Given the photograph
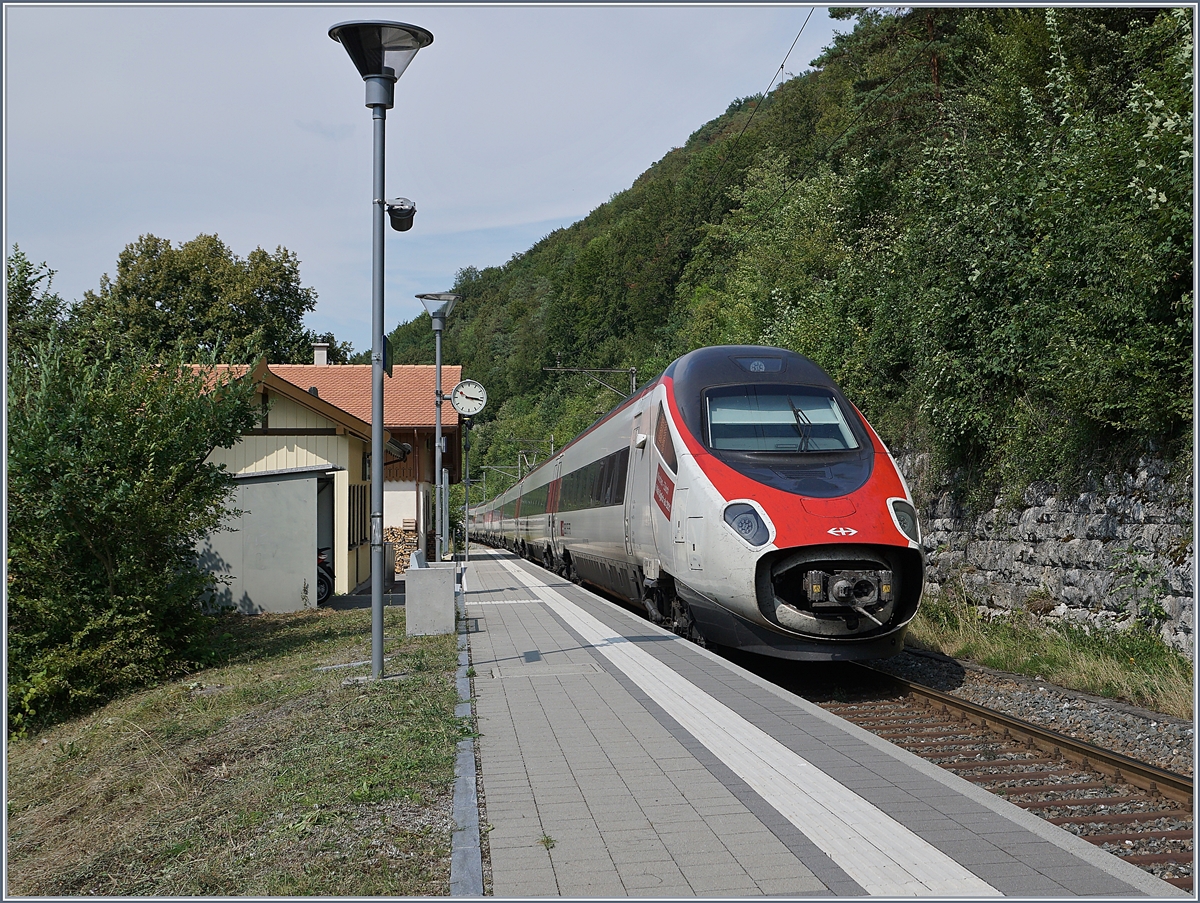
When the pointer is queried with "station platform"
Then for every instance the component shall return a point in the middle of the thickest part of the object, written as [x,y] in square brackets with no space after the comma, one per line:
[619,760]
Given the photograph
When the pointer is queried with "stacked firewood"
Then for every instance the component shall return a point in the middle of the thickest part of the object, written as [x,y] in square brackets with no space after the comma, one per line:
[405,544]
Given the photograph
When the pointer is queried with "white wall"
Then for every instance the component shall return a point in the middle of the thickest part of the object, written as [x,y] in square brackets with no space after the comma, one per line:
[269,557]
[399,502]
[258,453]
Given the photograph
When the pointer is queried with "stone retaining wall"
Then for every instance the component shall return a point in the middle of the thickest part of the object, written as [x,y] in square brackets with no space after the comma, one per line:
[1121,549]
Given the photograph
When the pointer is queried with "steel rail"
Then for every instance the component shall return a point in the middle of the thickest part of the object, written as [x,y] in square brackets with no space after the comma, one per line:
[1120,767]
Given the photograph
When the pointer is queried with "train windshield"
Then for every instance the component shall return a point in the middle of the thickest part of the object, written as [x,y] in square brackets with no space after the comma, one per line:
[778,419]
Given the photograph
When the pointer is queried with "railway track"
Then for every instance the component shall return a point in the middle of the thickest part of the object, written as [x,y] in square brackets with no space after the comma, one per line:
[1134,810]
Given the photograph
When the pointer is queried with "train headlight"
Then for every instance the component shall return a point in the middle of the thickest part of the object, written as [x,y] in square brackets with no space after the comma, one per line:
[746,521]
[906,519]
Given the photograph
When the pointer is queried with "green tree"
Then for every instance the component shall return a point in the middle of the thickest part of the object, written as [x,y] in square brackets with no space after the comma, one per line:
[1050,245]
[412,342]
[202,297]
[1018,301]
[978,220]
[108,494]
[33,309]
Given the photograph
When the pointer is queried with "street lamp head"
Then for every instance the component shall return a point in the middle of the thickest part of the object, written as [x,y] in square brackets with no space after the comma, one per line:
[439,305]
[381,49]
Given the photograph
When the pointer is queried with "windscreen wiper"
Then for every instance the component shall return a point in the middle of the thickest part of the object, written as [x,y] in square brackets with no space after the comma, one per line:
[803,426]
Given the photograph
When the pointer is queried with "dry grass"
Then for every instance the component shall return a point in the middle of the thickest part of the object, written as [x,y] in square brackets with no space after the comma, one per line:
[260,777]
[1133,665]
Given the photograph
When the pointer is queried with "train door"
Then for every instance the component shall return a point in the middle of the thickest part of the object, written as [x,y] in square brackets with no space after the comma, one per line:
[668,501]
[552,507]
[637,490]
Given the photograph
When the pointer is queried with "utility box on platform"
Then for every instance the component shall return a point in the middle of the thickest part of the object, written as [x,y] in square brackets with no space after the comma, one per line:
[429,600]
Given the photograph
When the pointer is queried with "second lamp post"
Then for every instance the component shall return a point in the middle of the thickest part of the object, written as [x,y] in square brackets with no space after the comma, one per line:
[439,305]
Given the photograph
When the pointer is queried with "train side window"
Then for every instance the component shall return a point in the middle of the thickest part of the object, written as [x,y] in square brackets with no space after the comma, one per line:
[583,488]
[600,475]
[606,481]
[662,440]
[566,496]
[595,485]
[620,470]
[570,500]
[575,490]
[535,502]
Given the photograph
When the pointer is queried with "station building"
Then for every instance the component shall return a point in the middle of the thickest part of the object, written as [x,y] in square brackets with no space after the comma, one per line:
[303,479]
[408,416]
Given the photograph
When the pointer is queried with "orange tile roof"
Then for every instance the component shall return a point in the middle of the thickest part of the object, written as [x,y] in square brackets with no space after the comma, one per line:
[407,395]
[213,372]
[264,378]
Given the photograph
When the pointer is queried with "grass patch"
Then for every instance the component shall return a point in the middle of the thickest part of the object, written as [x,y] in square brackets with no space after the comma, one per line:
[261,776]
[1133,664]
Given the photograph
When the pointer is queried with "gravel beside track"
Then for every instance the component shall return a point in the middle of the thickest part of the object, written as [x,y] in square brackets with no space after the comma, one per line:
[1138,733]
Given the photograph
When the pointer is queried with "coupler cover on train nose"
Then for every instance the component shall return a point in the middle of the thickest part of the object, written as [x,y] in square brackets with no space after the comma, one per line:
[850,594]
[840,591]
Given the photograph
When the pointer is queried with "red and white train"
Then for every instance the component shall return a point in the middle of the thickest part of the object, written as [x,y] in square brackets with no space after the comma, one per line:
[740,498]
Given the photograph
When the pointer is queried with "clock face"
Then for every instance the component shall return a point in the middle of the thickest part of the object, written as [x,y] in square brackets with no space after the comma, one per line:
[468,398]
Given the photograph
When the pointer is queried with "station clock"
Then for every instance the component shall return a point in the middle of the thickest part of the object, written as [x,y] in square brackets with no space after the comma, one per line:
[468,397]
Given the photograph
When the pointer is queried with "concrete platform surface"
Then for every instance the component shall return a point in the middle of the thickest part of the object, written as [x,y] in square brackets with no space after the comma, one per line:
[619,760]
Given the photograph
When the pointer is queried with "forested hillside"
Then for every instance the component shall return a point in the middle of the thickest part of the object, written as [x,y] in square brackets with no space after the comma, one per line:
[978,220]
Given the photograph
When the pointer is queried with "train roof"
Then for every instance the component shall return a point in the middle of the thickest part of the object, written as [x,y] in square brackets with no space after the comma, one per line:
[725,364]
[715,365]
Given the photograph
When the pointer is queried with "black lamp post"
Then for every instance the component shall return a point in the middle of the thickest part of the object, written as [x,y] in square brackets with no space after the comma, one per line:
[381,51]
[439,305]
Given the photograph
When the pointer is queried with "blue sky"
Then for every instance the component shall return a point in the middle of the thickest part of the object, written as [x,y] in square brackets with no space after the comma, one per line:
[249,122]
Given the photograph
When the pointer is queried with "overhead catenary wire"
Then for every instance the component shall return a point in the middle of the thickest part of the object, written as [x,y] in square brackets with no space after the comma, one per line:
[800,178]
[778,72]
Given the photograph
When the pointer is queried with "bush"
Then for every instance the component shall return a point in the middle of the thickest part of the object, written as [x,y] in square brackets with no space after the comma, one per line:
[108,494]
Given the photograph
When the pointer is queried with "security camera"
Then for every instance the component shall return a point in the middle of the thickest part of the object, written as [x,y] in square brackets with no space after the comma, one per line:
[401,211]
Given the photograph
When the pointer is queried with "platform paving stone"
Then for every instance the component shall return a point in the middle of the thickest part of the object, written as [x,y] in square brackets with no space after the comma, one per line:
[576,747]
